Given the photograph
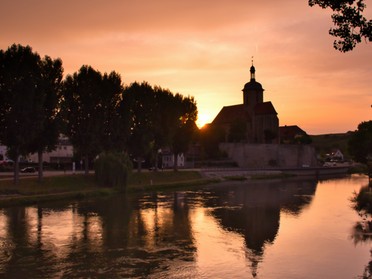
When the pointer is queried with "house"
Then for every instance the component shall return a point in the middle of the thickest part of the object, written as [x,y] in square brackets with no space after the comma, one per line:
[336,156]
[3,153]
[254,121]
[167,159]
[63,152]
[290,134]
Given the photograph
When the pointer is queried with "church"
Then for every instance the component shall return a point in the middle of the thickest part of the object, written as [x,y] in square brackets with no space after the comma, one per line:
[252,137]
[254,121]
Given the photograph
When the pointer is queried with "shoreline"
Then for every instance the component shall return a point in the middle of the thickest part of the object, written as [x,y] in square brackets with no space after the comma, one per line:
[30,191]
[63,186]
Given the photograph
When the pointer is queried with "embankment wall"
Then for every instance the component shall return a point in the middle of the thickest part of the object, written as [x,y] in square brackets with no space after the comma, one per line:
[270,155]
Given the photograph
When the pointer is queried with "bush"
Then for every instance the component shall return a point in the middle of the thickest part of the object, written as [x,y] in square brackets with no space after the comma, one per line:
[112,169]
[362,201]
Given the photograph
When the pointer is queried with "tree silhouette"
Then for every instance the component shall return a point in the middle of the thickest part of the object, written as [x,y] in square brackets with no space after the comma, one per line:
[360,143]
[113,136]
[351,25]
[22,98]
[186,127]
[138,99]
[157,119]
[166,118]
[90,112]
[46,139]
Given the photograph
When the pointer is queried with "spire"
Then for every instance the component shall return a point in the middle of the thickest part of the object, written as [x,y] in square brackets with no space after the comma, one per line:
[253,72]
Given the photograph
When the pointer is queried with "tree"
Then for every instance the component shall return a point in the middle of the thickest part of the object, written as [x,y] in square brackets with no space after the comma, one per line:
[139,103]
[112,170]
[90,111]
[351,25]
[360,143]
[186,127]
[113,136]
[21,100]
[166,119]
[46,139]
[157,119]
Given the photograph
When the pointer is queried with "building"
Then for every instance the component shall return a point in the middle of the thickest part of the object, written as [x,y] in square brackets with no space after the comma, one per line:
[249,133]
[291,134]
[167,159]
[62,154]
[254,121]
[336,156]
[3,152]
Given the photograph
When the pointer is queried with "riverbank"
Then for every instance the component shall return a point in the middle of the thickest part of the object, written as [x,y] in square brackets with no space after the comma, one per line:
[78,186]
[59,185]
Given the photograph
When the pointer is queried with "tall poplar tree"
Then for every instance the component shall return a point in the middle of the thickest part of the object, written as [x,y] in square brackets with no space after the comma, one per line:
[139,103]
[21,100]
[46,139]
[185,129]
[90,108]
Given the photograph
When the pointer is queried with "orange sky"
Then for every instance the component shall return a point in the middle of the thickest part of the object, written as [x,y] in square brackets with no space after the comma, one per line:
[204,49]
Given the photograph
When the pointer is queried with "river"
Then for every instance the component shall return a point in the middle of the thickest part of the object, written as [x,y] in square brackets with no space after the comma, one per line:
[254,229]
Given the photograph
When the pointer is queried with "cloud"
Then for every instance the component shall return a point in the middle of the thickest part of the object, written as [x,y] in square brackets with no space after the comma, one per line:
[204,49]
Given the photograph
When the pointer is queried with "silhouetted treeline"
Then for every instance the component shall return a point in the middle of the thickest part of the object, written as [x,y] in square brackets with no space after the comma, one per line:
[96,111]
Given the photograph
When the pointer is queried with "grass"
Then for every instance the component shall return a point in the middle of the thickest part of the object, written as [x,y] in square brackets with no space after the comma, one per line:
[272,176]
[30,191]
[78,186]
[50,185]
[235,178]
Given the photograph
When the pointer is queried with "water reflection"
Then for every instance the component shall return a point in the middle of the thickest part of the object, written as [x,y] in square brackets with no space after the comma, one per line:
[362,230]
[254,211]
[157,235]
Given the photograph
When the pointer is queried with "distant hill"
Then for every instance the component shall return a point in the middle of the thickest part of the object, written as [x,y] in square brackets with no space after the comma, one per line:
[329,142]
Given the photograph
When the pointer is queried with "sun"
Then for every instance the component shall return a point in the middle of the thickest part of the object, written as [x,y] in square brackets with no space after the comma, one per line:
[202,120]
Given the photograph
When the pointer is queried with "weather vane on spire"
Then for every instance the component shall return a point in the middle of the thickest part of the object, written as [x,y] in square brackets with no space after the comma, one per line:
[252,60]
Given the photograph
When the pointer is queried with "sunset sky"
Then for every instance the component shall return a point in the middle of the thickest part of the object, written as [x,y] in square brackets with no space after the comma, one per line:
[204,49]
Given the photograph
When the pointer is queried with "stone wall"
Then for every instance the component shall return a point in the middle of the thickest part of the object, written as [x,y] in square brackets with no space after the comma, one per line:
[270,155]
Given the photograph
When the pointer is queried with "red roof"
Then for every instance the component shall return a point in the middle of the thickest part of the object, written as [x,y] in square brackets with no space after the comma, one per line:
[231,114]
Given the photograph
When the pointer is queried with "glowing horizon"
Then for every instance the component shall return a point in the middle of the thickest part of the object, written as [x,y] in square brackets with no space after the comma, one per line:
[205,51]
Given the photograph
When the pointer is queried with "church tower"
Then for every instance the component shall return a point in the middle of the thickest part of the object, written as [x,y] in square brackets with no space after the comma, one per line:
[252,91]
[254,121]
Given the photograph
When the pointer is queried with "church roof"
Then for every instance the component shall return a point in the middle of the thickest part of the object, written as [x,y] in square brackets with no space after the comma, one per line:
[252,85]
[265,108]
[230,114]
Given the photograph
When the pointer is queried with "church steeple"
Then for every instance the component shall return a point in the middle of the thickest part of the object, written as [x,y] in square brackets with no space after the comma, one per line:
[253,72]
[252,91]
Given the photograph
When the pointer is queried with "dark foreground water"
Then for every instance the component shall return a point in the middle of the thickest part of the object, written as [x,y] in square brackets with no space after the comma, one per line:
[291,229]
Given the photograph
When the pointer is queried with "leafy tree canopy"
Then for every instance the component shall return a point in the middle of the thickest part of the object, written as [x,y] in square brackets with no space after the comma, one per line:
[360,143]
[157,119]
[91,103]
[139,103]
[351,26]
[27,101]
